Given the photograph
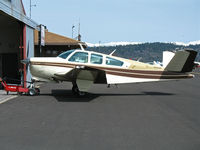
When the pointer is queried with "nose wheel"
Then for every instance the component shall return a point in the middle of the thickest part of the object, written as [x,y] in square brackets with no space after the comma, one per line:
[34,91]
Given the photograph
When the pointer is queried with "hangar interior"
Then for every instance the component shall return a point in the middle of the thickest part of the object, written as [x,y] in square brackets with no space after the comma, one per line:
[11,47]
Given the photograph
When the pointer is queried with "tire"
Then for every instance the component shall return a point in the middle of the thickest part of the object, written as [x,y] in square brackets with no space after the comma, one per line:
[32,92]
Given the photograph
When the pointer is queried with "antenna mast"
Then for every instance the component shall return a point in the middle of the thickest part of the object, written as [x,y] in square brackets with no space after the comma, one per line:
[31,7]
[79,30]
[73,31]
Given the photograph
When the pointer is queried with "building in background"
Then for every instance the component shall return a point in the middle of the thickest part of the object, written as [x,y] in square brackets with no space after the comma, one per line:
[54,44]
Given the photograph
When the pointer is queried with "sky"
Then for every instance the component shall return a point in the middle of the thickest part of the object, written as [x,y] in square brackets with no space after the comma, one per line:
[120,20]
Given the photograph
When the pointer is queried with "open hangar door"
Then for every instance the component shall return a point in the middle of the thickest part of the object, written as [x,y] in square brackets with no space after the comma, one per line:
[11,47]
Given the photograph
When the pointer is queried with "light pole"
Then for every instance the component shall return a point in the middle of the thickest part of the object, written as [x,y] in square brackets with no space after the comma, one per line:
[30,7]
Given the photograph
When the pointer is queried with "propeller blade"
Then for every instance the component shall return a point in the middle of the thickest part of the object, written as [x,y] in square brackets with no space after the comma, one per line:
[26,61]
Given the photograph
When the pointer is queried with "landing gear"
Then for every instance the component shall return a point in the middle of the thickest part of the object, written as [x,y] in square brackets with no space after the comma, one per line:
[32,92]
[75,91]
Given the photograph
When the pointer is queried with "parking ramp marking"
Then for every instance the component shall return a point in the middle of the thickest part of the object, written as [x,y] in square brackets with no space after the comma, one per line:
[7,99]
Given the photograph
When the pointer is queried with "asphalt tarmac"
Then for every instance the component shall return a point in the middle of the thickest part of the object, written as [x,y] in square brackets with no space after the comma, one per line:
[146,116]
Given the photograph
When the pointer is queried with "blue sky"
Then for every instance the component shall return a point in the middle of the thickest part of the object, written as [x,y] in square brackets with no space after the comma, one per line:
[121,20]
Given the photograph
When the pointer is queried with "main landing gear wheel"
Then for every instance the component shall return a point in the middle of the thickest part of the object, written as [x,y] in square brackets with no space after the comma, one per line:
[76,91]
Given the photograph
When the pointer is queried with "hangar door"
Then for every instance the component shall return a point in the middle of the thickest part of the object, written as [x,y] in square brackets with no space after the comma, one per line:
[11,41]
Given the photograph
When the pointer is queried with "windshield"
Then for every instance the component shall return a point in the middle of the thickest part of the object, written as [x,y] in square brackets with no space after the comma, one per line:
[64,55]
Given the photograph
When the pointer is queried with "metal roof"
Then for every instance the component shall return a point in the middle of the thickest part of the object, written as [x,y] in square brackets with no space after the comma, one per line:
[55,39]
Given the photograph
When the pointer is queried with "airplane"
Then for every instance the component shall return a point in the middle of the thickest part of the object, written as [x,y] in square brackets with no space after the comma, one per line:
[84,68]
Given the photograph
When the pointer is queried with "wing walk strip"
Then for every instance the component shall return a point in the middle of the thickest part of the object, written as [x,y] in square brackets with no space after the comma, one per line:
[123,72]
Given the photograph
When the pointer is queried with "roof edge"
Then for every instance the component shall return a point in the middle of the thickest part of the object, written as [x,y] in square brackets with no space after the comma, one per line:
[17,15]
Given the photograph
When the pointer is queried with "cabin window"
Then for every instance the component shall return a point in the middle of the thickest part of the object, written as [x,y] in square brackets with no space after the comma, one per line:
[65,54]
[81,57]
[114,62]
[96,59]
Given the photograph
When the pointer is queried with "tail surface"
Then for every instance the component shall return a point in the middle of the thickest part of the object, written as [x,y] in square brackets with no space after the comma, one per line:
[183,61]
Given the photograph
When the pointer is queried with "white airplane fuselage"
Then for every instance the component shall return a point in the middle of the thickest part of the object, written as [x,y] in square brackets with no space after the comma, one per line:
[129,71]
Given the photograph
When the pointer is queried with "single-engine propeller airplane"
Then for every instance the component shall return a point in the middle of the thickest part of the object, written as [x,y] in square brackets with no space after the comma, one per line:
[84,68]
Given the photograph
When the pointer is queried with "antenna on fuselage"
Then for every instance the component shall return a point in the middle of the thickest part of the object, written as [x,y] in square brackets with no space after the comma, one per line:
[112,52]
[81,46]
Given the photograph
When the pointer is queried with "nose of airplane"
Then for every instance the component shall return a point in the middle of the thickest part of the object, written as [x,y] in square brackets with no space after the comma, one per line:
[26,61]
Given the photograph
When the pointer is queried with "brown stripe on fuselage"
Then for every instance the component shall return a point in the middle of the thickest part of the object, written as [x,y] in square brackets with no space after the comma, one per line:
[123,72]
[52,64]
[149,76]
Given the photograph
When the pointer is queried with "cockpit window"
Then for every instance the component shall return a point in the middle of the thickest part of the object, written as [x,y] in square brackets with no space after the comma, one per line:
[114,62]
[65,54]
[81,57]
[96,59]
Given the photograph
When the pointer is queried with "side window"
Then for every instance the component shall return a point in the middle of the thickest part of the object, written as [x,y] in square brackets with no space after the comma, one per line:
[81,57]
[96,59]
[114,62]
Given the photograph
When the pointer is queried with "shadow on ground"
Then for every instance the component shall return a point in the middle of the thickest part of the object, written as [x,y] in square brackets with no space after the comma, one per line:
[67,96]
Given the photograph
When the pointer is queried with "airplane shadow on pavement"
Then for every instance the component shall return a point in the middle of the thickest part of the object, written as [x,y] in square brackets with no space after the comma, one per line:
[67,96]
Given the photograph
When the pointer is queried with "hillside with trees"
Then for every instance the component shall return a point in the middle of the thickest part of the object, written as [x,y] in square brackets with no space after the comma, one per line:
[147,52]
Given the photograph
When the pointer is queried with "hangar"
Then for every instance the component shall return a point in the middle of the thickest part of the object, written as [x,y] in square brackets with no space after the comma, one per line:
[19,40]
[16,39]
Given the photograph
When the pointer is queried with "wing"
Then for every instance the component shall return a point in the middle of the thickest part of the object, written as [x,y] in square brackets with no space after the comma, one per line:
[83,76]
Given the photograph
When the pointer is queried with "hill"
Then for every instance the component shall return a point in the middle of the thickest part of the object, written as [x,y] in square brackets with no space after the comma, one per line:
[146,51]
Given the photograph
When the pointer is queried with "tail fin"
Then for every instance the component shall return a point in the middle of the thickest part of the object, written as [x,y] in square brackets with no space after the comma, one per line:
[183,61]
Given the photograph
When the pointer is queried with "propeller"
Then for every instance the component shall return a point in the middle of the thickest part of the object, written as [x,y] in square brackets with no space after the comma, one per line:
[26,61]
